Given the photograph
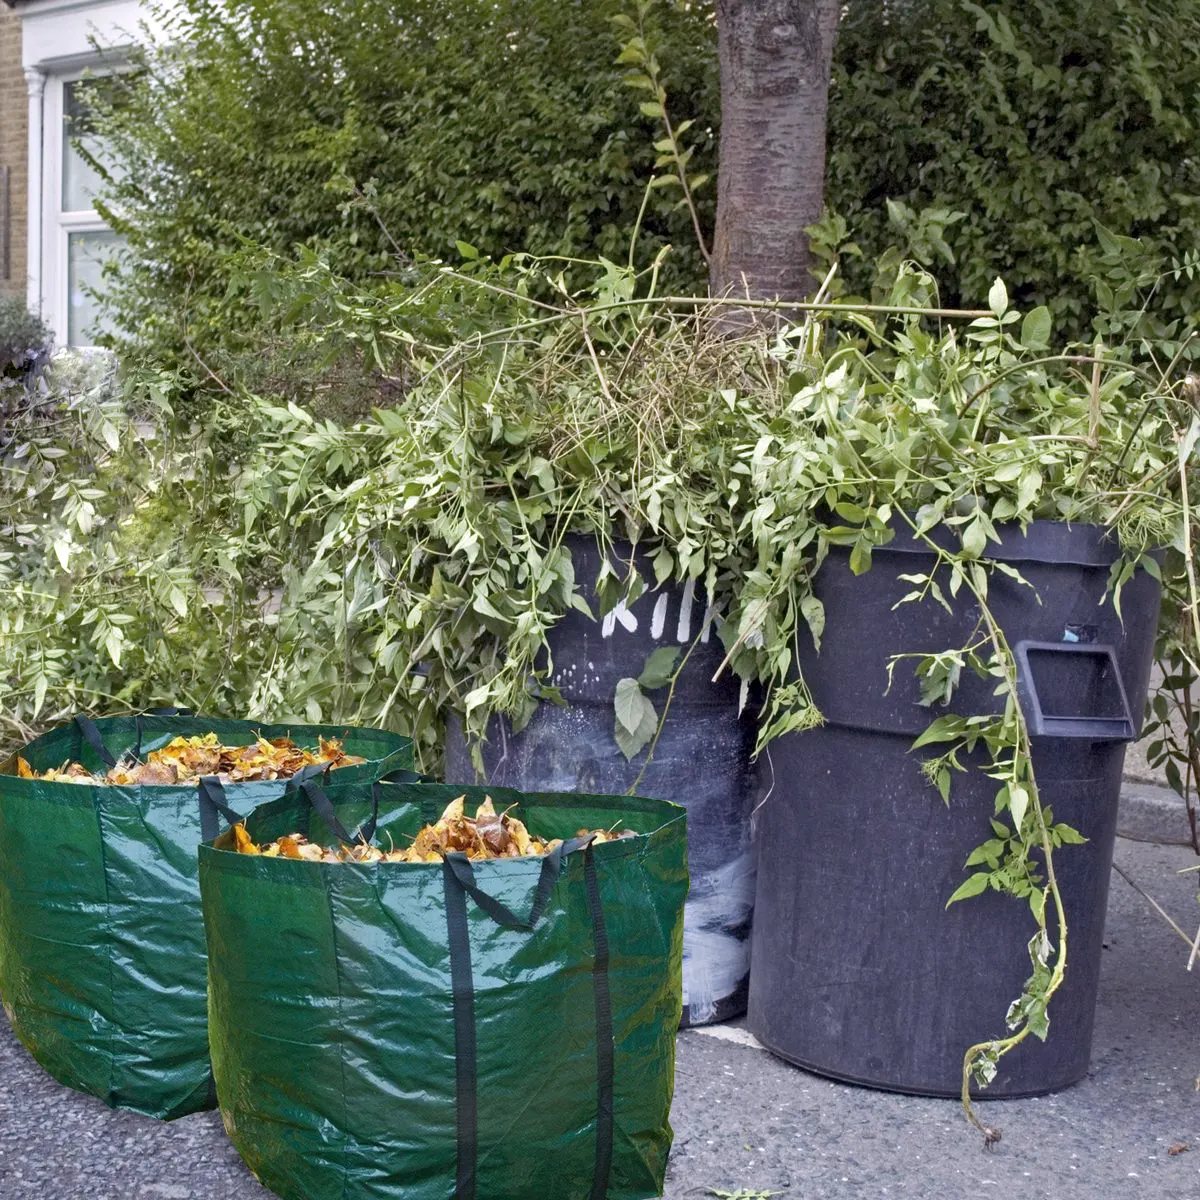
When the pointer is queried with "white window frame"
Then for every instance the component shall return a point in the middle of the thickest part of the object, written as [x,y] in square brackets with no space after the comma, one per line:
[58,224]
[62,40]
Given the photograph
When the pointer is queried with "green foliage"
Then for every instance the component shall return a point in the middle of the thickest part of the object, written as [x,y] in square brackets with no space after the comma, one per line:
[1029,140]
[374,132]
[24,347]
[1011,136]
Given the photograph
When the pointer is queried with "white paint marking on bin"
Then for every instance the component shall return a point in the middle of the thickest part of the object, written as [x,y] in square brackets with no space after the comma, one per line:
[658,622]
[619,613]
[684,630]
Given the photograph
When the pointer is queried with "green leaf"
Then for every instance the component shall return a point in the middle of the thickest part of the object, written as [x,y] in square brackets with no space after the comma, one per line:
[629,703]
[998,297]
[114,641]
[1018,805]
[945,729]
[1069,836]
[942,780]
[974,538]
[482,605]
[650,108]
[971,886]
[636,719]
[659,667]
[813,612]
[1035,329]
[860,557]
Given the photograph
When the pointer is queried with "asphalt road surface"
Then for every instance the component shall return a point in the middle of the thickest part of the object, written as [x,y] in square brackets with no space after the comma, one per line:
[744,1120]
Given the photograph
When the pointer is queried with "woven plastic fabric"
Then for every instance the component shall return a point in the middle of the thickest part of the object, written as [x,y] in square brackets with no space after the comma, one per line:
[102,969]
[484,1030]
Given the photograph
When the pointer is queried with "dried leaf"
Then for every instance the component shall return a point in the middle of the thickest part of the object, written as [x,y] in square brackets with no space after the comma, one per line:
[485,837]
[185,759]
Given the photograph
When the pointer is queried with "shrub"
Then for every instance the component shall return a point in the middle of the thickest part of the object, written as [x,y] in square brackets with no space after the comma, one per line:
[375,131]
[24,344]
[1020,128]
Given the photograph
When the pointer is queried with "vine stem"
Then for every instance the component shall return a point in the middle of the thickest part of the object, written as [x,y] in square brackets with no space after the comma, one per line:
[1024,750]
[633,787]
[650,66]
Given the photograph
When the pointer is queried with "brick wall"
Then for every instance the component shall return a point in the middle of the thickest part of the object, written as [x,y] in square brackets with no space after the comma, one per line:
[13,144]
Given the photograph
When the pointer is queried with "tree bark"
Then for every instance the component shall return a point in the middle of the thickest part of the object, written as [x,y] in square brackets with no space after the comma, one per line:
[775,64]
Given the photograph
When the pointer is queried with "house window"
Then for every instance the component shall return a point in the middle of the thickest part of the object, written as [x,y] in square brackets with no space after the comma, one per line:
[78,242]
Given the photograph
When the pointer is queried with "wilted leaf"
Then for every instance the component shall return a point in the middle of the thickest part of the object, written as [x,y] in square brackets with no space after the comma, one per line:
[486,836]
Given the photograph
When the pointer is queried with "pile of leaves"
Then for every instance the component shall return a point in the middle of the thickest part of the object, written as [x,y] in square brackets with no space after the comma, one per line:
[186,759]
[487,835]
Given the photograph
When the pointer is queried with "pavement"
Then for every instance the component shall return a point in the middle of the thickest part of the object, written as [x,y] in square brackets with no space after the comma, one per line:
[746,1121]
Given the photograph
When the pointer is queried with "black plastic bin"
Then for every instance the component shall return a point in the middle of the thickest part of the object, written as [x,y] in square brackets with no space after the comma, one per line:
[702,761]
[860,972]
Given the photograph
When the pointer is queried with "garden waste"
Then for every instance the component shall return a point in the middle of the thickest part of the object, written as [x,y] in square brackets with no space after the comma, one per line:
[482,1026]
[102,960]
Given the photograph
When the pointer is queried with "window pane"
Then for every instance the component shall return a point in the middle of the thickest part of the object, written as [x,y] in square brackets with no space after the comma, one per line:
[80,181]
[86,255]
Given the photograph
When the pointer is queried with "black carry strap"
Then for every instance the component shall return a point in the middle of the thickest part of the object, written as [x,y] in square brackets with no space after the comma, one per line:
[168,711]
[324,809]
[211,795]
[463,873]
[91,735]
[459,882]
[605,1050]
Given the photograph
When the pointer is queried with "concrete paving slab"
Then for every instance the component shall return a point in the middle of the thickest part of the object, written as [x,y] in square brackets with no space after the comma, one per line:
[744,1120]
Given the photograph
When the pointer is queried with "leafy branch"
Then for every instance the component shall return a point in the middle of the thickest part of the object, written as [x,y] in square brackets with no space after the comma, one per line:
[640,54]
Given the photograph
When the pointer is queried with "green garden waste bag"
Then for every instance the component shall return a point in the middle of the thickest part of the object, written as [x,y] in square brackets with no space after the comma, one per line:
[102,970]
[489,1030]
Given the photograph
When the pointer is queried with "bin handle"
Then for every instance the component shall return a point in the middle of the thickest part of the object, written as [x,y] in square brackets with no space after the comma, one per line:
[91,733]
[324,809]
[1045,724]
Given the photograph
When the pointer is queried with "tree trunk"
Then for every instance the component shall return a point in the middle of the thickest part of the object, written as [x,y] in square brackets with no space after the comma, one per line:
[775,63]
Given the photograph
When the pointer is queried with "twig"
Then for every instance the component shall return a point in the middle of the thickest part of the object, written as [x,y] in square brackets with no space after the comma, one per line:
[1094,401]
[1162,912]
[208,370]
